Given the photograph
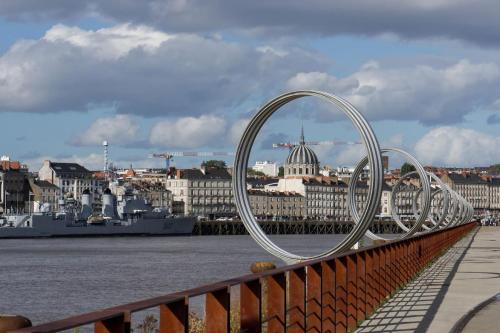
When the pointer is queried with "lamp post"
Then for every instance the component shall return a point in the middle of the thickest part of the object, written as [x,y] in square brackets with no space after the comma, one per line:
[5,193]
[29,202]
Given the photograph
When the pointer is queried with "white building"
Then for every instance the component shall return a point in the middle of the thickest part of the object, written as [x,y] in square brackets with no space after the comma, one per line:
[203,192]
[268,168]
[69,178]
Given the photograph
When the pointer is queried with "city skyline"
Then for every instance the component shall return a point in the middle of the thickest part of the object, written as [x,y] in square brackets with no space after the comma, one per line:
[166,78]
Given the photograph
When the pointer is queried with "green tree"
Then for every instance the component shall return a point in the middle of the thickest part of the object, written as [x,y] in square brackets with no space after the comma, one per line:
[495,168]
[252,172]
[407,167]
[281,171]
[216,164]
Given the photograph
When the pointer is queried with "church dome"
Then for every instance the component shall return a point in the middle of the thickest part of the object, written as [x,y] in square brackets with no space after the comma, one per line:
[302,160]
[302,154]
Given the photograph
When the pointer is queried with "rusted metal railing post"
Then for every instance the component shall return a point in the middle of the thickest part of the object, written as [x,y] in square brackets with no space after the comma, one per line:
[217,311]
[251,306]
[341,294]
[297,301]
[117,324]
[174,317]
[276,303]
[328,287]
[361,286]
[371,289]
[313,300]
[352,280]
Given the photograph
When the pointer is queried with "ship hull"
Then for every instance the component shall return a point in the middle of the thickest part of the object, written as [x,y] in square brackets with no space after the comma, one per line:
[46,226]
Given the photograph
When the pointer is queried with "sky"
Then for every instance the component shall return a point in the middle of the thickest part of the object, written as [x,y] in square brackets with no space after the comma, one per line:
[187,75]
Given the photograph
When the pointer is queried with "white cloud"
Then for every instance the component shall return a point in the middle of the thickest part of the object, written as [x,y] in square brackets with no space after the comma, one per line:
[236,131]
[456,146]
[428,94]
[109,43]
[189,132]
[95,161]
[143,71]
[119,130]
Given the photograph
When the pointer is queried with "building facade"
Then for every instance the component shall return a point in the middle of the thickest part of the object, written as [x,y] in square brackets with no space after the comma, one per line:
[268,168]
[203,192]
[471,187]
[44,196]
[14,188]
[70,178]
[277,205]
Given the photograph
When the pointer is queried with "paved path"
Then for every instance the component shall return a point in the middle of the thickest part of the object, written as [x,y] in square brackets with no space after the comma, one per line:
[468,274]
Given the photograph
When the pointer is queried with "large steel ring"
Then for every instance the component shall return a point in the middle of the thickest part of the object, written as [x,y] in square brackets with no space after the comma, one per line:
[240,170]
[351,195]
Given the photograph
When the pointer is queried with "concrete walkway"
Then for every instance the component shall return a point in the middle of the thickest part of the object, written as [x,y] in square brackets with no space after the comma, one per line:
[465,276]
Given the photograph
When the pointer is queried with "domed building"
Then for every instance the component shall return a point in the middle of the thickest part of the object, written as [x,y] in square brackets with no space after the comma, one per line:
[302,161]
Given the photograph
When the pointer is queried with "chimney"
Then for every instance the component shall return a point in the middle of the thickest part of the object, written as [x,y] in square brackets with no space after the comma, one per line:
[178,174]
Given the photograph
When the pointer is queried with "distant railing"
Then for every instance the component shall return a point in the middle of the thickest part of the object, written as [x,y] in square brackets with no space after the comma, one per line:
[325,295]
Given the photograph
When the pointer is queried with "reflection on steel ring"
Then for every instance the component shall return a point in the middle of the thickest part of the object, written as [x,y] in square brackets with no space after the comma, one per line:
[426,186]
[441,189]
[448,221]
[240,169]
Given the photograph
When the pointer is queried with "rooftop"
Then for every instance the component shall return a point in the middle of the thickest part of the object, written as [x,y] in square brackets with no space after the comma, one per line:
[210,173]
[466,178]
[68,167]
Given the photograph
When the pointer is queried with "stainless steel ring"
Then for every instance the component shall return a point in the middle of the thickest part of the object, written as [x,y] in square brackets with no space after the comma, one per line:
[240,168]
[351,196]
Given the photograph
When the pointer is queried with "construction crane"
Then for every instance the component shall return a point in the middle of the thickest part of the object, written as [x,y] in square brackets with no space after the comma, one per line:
[290,145]
[169,156]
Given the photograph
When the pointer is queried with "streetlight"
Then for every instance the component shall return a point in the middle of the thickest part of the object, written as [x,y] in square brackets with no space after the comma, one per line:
[5,194]
[29,202]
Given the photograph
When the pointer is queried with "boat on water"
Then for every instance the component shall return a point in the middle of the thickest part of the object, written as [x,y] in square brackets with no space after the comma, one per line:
[130,216]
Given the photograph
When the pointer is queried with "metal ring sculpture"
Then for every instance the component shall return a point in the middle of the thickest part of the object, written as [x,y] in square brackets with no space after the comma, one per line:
[351,196]
[440,189]
[462,211]
[240,170]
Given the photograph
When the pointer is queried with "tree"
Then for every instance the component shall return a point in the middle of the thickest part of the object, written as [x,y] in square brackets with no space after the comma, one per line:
[216,164]
[495,168]
[255,173]
[406,168]
[281,171]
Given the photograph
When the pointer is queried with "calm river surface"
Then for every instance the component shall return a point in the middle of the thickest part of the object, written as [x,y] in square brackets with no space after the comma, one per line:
[48,279]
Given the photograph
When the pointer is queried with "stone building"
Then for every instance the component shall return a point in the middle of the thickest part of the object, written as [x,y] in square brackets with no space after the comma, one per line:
[276,205]
[385,202]
[71,178]
[203,192]
[494,194]
[473,188]
[45,196]
[14,189]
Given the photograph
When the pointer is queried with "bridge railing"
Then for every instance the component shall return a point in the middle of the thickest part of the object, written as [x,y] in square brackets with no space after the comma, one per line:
[331,294]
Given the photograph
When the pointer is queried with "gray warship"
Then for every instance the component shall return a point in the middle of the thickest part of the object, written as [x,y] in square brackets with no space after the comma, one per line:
[130,216]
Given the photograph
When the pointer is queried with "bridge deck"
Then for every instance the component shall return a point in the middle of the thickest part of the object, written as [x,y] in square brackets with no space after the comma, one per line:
[464,277]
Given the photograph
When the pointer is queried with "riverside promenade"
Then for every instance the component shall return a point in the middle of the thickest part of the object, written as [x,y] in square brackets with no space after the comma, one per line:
[444,297]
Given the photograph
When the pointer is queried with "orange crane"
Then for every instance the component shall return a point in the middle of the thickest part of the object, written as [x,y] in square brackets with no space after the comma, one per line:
[169,156]
[290,145]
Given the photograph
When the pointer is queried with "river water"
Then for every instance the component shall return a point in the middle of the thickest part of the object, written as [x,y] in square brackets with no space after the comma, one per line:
[49,279]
